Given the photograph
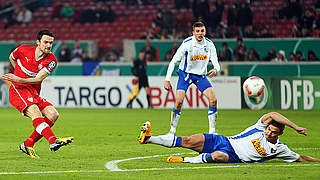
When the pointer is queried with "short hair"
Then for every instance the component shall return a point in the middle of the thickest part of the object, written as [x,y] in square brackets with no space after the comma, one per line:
[278,125]
[197,24]
[44,32]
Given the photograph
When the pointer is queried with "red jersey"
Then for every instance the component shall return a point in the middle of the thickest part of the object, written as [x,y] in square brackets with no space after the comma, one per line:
[28,67]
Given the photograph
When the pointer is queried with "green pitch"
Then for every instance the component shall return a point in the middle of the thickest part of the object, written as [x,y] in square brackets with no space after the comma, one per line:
[104,135]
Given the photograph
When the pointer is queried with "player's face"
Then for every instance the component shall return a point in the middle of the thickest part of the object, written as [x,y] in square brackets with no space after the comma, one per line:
[199,33]
[45,44]
[141,56]
[272,133]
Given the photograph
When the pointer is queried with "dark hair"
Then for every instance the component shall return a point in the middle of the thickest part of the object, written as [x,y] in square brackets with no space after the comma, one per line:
[44,32]
[278,125]
[197,24]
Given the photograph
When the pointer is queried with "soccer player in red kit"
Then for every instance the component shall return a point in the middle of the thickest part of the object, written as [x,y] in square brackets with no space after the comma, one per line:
[32,64]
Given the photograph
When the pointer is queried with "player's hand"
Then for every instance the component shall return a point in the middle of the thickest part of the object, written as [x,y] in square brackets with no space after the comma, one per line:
[212,72]
[167,85]
[10,77]
[301,130]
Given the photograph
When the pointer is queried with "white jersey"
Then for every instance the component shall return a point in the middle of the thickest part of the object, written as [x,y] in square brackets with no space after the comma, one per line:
[194,57]
[251,145]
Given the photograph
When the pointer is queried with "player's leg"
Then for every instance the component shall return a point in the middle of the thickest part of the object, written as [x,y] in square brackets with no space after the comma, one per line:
[214,149]
[206,88]
[176,111]
[194,142]
[39,123]
[42,127]
[148,96]
[145,83]
[215,157]
[183,84]
[50,116]
[212,111]
[133,95]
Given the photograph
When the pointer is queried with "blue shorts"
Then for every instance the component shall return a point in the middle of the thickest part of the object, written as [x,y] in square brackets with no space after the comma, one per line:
[186,79]
[214,143]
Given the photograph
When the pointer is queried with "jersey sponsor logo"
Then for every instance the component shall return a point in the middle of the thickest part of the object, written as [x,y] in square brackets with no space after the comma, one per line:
[30,99]
[259,149]
[26,59]
[52,65]
[198,57]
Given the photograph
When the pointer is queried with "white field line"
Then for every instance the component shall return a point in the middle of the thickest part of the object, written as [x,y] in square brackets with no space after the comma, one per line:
[302,149]
[112,166]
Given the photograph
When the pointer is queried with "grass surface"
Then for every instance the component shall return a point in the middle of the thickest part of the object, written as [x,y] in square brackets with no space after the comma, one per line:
[103,135]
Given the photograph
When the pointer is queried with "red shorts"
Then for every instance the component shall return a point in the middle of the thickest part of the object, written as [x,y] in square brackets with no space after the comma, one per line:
[23,97]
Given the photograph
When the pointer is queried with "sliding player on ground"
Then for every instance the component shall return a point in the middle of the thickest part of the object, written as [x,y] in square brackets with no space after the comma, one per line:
[257,143]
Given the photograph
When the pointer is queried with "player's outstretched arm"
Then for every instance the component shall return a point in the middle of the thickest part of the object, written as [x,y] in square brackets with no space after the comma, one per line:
[38,79]
[268,118]
[305,158]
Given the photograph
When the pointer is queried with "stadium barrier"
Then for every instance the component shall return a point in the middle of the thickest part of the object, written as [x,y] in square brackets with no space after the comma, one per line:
[287,93]
[106,92]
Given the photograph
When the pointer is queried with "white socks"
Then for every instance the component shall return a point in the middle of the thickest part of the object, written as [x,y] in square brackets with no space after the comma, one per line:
[196,159]
[175,116]
[164,140]
[212,123]
[212,116]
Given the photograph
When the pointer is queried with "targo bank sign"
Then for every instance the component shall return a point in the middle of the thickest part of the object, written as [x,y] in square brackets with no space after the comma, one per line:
[113,92]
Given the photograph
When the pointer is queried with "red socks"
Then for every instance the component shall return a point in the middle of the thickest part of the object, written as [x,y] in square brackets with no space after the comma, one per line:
[41,125]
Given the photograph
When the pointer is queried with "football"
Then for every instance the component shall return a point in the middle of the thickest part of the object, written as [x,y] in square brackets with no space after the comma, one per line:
[253,86]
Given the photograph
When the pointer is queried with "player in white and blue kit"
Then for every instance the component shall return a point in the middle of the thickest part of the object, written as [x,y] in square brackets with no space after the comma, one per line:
[257,143]
[194,55]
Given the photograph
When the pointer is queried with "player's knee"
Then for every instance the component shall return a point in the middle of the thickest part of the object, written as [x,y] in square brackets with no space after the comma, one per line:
[179,104]
[213,101]
[53,116]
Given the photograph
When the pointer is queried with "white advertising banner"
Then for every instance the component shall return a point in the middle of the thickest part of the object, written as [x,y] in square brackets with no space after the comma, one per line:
[4,94]
[113,92]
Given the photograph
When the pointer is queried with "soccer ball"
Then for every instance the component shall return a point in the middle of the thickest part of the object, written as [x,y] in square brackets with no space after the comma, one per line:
[253,86]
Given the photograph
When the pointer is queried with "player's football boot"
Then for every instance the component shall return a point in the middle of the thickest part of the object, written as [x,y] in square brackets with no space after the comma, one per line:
[59,142]
[29,151]
[145,133]
[174,159]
